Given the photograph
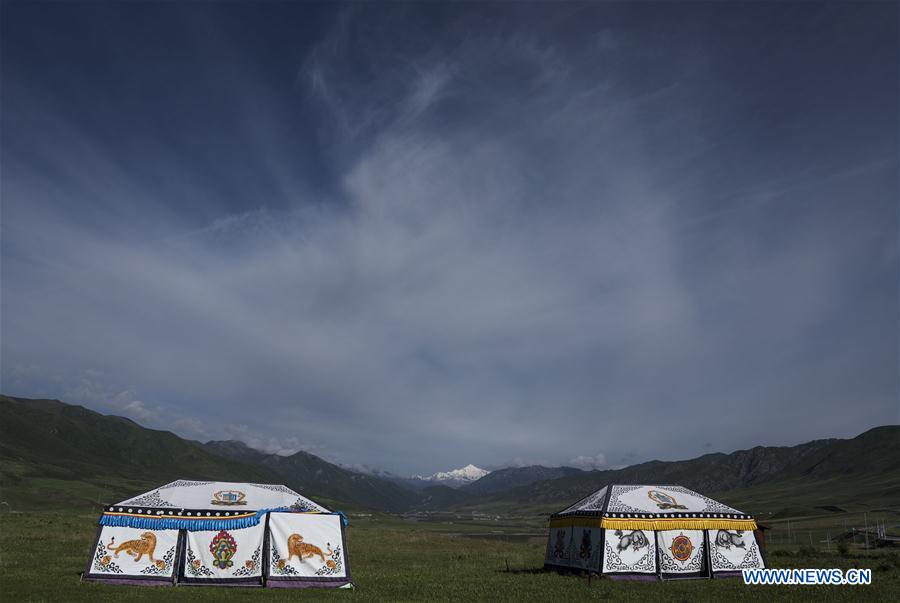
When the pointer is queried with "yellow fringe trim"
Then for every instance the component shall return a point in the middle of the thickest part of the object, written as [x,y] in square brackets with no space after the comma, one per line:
[661,523]
[678,523]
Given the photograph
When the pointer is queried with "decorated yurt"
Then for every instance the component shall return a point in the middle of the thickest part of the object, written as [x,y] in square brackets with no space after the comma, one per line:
[222,533]
[665,532]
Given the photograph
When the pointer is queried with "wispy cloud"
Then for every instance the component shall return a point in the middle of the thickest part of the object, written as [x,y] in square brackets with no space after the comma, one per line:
[507,237]
[597,461]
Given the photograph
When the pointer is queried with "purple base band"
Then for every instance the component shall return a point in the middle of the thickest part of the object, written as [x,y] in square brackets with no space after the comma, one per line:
[727,574]
[304,584]
[225,583]
[130,582]
[271,584]
[636,577]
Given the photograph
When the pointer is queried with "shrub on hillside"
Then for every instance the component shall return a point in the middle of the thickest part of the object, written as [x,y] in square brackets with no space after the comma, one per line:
[808,551]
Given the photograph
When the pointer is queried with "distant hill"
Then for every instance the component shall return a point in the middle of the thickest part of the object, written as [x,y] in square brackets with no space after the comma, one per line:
[436,498]
[870,461]
[56,454]
[514,477]
[44,444]
[306,472]
[876,451]
[412,483]
[235,450]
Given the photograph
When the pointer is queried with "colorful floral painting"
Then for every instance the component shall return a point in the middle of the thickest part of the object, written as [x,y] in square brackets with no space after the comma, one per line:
[223,547]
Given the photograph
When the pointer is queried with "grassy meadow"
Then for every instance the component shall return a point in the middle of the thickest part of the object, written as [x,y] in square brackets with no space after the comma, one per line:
[51,488]
[42,553]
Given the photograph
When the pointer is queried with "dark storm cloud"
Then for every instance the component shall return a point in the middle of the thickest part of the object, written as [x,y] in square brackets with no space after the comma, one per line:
[420,236]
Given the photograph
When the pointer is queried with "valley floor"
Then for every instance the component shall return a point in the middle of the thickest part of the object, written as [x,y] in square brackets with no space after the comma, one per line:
[42,553]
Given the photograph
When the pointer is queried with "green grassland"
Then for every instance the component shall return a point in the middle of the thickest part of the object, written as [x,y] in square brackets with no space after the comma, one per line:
[42,553]
[54,476]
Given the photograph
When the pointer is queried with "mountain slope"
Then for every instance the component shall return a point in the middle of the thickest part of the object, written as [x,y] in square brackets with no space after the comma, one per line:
[306,472]
[708,473]
[236,451]
[50,440]
[384,493]
[54,454]
[873,455]
[514,477]
[72,441]
[876,451]
[47,446]
[435,498]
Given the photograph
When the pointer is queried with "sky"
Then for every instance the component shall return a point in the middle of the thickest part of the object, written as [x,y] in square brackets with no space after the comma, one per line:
[417,236]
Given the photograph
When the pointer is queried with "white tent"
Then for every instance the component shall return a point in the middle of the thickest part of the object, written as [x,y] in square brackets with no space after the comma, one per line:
[224,533]
[652,532]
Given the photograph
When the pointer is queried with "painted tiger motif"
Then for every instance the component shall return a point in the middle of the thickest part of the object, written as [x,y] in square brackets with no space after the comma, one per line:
[145,545]
[304,550]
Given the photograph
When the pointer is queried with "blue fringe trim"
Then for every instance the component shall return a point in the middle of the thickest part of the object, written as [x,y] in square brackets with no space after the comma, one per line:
[192,525]
[197,525]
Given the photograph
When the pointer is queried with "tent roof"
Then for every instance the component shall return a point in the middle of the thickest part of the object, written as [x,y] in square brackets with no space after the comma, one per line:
[195,506]
[221,496]
[651,507]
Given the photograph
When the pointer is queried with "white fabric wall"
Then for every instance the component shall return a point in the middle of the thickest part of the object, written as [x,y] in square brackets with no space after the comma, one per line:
[629,551]
[686,556]
[320,531]
[246,562]
[734,550]
[111,561]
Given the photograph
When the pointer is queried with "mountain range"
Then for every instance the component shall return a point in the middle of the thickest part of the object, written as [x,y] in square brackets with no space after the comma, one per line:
[52,454]
[456,477]
[502,480]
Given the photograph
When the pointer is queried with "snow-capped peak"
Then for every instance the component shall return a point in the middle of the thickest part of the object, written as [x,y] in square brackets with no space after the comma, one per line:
[466,474]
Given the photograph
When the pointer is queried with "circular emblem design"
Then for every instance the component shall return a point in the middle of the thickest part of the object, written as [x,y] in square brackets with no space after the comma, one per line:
[682,548]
